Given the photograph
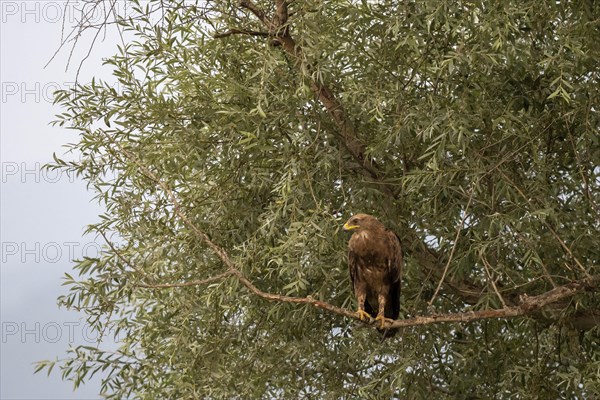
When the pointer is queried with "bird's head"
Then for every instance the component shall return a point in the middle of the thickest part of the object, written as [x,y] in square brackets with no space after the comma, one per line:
[361,222]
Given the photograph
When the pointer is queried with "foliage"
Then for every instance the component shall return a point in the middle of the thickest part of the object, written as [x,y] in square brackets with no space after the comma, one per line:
[470,128]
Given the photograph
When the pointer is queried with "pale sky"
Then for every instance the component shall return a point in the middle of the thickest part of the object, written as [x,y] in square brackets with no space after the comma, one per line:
[42,214]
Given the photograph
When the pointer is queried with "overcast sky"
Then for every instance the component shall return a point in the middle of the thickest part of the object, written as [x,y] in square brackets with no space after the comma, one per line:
[43,214]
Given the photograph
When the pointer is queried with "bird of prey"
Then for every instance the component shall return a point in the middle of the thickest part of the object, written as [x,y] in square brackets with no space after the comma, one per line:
[375,263]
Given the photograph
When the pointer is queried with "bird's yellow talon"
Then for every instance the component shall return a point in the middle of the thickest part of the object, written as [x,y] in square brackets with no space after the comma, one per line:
[363,315]
[382,321]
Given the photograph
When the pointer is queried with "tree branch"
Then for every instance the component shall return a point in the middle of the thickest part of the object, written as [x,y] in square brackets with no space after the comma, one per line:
[240,32]
[281,12]
[253,8]
[278,30]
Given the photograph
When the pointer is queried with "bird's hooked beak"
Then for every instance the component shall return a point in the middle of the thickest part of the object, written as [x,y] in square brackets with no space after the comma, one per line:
[348,227]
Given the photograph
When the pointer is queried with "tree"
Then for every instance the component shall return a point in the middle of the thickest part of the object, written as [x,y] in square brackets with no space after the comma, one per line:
[245,132]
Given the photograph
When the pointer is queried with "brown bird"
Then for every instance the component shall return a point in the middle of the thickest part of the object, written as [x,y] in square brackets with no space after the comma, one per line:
[375,263]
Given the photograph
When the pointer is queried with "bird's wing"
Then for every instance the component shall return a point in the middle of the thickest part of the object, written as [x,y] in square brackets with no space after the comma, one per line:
[395,262]
[352,265]
[394,257]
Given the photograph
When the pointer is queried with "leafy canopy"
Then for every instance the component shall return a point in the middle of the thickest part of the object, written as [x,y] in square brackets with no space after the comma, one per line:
[248,131]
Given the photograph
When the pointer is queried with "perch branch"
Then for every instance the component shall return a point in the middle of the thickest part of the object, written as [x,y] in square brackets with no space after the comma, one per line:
[528,304]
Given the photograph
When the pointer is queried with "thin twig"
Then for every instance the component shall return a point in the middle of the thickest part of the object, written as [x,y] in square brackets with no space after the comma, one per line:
[458,230]
[567,249]
[491,278]
[586,184]
[186,284]
[554,234]
[141,272]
